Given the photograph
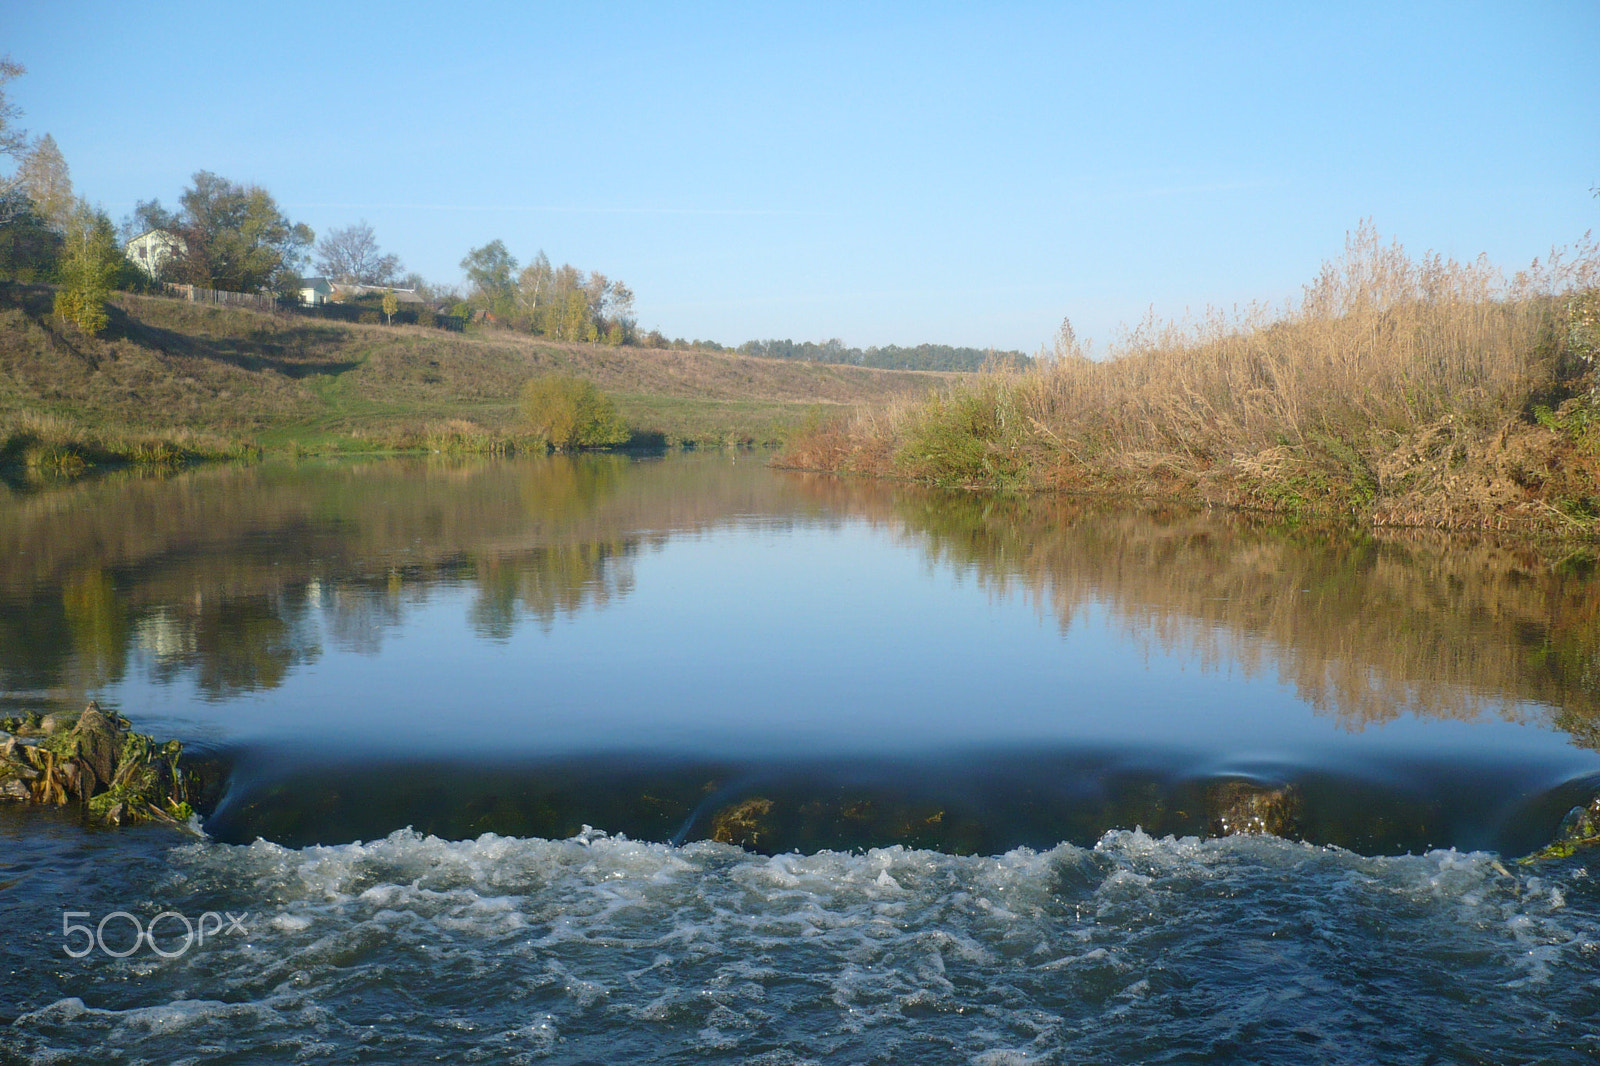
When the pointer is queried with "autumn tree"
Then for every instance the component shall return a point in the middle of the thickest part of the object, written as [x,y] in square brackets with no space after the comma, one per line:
[90,261]
[569,412]
[535,284]
[391,304]
[352,255]
[234,236]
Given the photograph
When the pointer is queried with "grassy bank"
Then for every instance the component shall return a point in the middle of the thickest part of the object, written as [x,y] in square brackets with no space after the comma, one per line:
[1396,391]
[170,378]
[47,445]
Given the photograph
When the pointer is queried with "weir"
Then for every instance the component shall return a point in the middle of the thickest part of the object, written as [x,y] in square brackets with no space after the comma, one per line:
[965,804]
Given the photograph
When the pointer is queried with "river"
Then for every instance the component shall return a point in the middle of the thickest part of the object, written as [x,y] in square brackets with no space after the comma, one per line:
[686,759]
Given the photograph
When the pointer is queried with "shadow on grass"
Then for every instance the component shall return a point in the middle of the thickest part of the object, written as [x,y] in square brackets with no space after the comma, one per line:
[646,442]
[289,352]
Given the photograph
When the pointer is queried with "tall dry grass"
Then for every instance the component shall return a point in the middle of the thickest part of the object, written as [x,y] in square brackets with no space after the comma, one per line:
[1300,399]
[1379,342]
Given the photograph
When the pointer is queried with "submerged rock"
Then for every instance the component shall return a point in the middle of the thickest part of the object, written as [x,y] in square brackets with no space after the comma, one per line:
[1240,807]
[96,760]
[742,823]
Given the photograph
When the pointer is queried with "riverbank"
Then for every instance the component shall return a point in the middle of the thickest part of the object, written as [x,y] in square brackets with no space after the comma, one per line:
[171,382]
[1395,393]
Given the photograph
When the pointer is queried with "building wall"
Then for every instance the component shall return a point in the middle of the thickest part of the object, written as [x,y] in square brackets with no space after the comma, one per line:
[151,251]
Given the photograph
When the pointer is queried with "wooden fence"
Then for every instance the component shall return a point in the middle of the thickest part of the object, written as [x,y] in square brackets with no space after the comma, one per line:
[260,301]
[347,312]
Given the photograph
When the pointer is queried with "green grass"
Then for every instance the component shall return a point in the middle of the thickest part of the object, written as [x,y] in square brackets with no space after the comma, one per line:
[297,385]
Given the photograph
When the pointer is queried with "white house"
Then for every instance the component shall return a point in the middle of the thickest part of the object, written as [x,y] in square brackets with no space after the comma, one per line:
[151,250]
[315,291]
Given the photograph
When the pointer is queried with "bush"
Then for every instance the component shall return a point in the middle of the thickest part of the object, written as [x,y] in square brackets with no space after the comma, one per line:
[368,318]
[969,437]
[570,412]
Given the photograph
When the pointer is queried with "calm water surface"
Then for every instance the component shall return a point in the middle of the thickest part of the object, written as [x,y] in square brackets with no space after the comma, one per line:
[488,726]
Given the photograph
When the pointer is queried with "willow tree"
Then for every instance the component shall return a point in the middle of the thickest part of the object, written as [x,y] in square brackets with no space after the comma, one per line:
[569,412]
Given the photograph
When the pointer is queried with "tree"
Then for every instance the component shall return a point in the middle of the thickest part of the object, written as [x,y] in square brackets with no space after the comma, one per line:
[30,236]
[12,139]
[352,255]
[569,412]
[622,313]
[234,236]
[44,179]
[13,142]
[90,262]
[29,246]
[535,285]
[490,270]
[391,304]
[147,215]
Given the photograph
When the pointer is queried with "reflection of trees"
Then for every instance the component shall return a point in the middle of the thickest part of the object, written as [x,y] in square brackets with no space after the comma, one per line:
[235,575]
[357,614]
[99,622]
[1365,627]
[36,641]
[548,582]
[242,643]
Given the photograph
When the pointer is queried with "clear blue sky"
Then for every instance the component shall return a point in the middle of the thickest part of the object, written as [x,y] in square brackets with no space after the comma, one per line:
[883,173]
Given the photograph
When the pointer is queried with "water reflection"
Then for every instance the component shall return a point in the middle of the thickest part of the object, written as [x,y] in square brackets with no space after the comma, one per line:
[1367,627]
[237,577]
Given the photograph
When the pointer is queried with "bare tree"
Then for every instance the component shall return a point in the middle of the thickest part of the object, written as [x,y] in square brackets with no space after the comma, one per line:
[352,255]
[45,179]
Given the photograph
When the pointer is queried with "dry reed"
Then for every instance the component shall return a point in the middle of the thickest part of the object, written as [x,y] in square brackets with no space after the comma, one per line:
[1287,407]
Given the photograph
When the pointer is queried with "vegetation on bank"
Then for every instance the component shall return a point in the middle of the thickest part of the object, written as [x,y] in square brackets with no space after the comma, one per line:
[44,445]
[568,412]
[891,356]
[1396,391]
[94,760]
[171,381]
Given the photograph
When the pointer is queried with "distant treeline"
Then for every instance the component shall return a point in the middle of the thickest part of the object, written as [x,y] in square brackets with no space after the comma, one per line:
[889,357]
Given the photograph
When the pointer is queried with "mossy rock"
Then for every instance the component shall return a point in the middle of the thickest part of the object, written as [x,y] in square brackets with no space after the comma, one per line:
[1579,830]
[95,759]
[743,823]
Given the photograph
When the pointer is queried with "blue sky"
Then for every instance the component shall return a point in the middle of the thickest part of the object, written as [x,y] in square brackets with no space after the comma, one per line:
[883,173]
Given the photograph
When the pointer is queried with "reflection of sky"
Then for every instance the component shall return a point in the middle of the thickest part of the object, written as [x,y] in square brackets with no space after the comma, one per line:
[835,640]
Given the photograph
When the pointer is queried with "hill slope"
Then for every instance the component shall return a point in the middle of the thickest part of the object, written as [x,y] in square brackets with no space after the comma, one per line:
[291,380]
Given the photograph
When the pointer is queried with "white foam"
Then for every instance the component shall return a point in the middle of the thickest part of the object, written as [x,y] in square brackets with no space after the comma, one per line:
[558,938]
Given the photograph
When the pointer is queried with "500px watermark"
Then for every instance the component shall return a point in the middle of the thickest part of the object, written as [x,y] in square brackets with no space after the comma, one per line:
[179,935]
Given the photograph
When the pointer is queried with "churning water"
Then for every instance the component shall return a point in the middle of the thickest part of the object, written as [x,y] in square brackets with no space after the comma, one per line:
[599,949]
[981,755]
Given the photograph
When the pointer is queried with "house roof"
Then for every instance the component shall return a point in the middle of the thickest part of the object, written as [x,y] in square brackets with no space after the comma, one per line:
[406,296]
[168,234]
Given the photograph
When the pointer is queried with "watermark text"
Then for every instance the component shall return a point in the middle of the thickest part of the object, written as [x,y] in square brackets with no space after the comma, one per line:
[120,934]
